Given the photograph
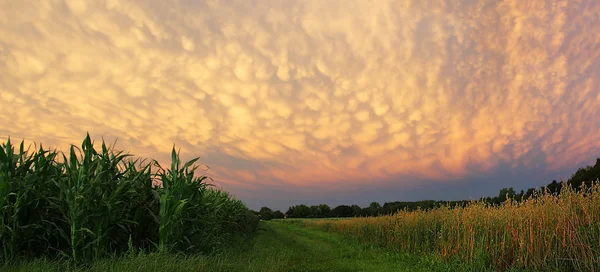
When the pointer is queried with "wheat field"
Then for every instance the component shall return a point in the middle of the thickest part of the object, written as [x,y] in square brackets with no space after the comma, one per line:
[546,232]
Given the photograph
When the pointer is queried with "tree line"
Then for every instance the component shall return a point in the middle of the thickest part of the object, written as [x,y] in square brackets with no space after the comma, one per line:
[583,177]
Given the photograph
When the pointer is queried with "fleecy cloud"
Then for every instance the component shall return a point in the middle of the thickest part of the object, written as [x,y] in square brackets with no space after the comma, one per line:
[315,91]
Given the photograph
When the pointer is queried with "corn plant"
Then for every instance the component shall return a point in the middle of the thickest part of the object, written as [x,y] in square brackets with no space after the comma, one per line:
[222,216]
[94,190]
[21,207]
[179,203]
[86,204]
[9,176]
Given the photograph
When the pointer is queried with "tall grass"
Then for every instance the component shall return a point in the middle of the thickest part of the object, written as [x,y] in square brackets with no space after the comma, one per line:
[547,232]
[88,203]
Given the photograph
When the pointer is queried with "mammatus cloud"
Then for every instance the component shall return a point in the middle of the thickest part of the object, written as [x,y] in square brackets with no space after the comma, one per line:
[310,92]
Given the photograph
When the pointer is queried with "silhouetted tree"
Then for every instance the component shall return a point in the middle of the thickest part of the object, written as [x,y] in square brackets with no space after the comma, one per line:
[299,211]
[586,175]
[356,211]
[342,211]
[374,209]
[266,213]
[278,214]
[519,196]
[554,187]
[505,194]
[530,192]
[324,211]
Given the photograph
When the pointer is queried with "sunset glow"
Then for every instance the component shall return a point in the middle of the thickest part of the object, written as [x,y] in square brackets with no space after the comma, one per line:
[287,100]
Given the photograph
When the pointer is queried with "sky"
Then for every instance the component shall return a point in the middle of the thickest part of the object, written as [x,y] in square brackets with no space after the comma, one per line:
[312,101]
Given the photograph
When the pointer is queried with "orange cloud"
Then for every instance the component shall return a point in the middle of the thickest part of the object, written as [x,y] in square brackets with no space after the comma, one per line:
[312,91]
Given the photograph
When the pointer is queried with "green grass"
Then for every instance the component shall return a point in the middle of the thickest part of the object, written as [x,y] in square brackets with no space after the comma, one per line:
[277,246]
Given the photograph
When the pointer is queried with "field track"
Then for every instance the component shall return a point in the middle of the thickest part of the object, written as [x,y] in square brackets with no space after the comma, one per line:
[277,247]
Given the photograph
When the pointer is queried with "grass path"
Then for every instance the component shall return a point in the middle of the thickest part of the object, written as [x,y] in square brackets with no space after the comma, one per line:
[277,247]
[288,247]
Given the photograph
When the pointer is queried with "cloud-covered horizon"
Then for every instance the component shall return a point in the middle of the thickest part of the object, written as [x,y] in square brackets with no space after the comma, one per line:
[311,96]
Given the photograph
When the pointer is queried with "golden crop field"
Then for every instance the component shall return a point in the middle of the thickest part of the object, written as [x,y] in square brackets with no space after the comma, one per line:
[546,232]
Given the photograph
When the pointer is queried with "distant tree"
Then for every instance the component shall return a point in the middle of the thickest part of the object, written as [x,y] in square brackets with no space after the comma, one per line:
[365,211]
[266,213]
[554,187]
[342,211]
[314,212]
[299,211]
[530,193]
[586,175]
[374,209]
[505,194]
[356,211]
[427,204]
[519,196]
[278,214]
[320,211]
[303,211]
[324,211]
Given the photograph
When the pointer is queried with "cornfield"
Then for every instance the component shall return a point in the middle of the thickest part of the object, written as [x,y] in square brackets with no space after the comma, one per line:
[546,232]
[90,203]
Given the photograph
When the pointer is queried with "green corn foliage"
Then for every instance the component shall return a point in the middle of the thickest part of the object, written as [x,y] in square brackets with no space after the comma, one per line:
[88,203]
[24,200]
[180,197]
[28,202]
